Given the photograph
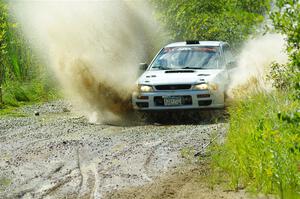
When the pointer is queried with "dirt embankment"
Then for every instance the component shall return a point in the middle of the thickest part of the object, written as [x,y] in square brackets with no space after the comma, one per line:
[188,182]
[59,154]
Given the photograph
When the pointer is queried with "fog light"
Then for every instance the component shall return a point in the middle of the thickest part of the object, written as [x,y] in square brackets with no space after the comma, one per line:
[204,102]
[142,97]
[142,104]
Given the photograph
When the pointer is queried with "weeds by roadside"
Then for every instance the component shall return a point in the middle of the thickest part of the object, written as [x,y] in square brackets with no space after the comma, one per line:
[23,76]
[9,111]
[262,150]
[17,94]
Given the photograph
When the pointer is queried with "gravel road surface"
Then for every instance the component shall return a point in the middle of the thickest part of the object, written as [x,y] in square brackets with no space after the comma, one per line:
[52,152]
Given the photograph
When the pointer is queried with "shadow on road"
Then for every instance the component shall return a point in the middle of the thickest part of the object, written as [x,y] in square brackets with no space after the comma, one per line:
[193,117]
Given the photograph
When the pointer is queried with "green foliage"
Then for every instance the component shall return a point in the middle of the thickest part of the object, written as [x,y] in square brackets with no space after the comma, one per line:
[262,150]
[279,76]
[286,19]
[3,28]
[229,20]
[20,70]
[16,93]
[3,43]
[9,111]
[18,60]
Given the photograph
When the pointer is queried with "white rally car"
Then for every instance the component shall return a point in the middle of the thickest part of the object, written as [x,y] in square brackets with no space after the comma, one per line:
[185,75]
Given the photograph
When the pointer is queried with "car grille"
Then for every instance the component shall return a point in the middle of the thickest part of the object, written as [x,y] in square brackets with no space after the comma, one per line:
[185,100]
[173,87]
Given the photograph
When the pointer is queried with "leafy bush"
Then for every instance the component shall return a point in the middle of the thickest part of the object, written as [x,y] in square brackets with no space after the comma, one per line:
[262,150]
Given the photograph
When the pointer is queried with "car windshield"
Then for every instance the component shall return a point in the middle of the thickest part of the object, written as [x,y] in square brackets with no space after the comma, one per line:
[198,57]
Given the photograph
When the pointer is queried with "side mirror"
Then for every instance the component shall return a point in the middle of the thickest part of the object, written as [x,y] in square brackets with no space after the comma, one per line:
[143,66]
[231,65]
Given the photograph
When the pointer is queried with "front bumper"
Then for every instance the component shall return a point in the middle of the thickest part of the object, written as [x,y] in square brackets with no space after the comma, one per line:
[191,99]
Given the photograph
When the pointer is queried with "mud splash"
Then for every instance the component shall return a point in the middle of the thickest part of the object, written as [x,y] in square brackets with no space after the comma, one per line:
[100,94]
[93,47]
[254,63]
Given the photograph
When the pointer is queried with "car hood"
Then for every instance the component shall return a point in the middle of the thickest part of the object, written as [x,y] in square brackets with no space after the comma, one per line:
[163,77]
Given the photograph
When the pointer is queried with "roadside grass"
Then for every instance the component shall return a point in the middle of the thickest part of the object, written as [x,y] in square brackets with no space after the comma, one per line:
[17,94]
[262,149]
[8,111]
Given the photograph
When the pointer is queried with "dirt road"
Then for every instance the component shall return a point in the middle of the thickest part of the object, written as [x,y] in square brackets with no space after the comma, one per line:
[59,154]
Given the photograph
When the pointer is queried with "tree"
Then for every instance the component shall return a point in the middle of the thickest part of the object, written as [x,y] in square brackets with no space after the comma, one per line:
[229,20]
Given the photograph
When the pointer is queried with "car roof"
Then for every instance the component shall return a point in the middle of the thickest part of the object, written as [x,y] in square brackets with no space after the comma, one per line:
[201,43]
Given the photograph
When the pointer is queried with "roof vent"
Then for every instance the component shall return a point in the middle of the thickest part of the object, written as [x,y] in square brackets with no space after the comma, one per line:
[192,42]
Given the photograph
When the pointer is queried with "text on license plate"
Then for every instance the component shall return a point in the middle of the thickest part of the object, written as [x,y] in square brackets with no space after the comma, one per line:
[172,101]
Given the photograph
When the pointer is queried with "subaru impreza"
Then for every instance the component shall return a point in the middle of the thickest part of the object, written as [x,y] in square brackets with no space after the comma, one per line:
[185,75]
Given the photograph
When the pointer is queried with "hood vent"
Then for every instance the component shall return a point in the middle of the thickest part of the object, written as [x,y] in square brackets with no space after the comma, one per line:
[180,71]
[204,75]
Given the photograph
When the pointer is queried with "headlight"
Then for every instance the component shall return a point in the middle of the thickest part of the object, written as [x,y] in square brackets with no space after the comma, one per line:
[200,87]
[145,88]
[204,86]
[213,86]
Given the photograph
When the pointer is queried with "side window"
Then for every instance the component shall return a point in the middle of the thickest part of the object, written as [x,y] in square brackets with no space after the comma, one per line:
[228,54]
